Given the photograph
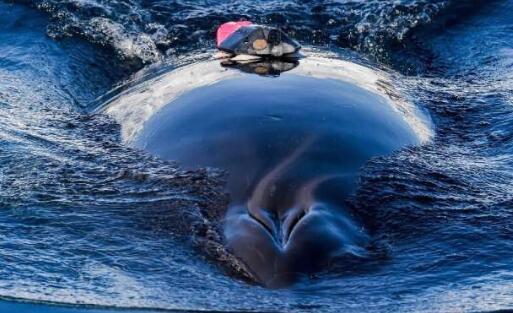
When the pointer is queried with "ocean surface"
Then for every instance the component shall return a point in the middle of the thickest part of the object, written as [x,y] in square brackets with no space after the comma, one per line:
[88,224]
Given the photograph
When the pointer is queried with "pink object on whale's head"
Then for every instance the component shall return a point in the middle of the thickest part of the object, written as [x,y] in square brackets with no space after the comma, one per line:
[224,31]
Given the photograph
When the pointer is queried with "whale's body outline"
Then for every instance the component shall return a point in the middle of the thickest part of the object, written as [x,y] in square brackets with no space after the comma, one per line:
[270,241]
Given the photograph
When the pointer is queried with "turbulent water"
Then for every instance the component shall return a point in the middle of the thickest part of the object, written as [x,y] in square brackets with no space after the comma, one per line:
[85,220]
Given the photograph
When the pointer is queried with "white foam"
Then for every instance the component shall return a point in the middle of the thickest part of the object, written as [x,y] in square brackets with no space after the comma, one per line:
[135,106]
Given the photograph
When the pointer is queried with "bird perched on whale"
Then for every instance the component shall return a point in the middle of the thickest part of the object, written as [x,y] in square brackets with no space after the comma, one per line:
[248,39]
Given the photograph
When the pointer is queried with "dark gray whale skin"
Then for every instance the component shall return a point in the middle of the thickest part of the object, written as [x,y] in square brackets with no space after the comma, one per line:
[293,146]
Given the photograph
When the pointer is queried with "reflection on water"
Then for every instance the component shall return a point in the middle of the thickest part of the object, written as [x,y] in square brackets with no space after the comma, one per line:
[263,67]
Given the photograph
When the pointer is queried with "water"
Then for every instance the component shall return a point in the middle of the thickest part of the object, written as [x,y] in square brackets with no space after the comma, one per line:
[89,222]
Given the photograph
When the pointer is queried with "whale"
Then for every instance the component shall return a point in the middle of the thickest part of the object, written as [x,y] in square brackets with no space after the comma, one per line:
[292,146]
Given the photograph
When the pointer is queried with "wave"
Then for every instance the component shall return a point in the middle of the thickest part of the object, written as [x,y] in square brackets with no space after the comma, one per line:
[147,31]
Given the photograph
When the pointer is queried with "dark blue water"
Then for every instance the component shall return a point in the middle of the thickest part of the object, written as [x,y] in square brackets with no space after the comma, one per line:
[86,221]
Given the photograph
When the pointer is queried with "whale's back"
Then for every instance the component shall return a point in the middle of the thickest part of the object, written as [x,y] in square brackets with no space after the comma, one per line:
[250,125]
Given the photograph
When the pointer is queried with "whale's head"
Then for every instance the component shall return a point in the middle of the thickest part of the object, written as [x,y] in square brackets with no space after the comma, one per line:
[292,146]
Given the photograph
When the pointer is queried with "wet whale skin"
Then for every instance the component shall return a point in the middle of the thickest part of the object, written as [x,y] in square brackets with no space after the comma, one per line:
[293,147]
